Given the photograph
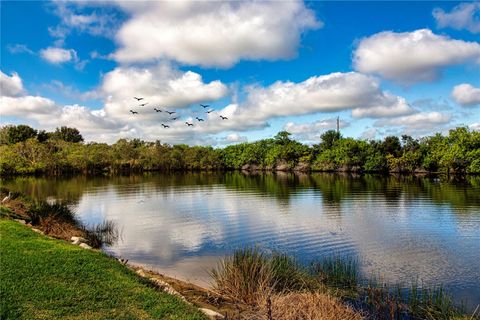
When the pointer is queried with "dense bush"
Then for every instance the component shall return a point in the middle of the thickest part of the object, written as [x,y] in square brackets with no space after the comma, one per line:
[24,151]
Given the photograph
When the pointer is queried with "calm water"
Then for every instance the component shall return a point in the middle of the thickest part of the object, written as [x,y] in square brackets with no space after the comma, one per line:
[182,224]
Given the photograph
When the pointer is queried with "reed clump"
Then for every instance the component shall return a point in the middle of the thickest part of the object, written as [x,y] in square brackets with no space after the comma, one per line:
[416,302]
[247,276]
[276,286]
[338,272]
[303,306]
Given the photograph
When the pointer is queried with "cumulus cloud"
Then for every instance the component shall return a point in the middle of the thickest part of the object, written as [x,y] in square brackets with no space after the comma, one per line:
[212,33]
[233,138]
[466,94]
[27,106]
[162,86]
[83,18]
[412,56]
[16,102]
[369,134]
[10,85]
[69,91]
[311,131]
[464,16]
[326,93]
[418,122]
[168,88]
[475,126]
[58,55]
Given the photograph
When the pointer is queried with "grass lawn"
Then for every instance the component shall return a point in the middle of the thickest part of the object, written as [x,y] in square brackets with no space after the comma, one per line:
[42,278]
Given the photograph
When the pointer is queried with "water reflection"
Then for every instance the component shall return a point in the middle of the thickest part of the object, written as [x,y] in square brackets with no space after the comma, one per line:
[180,224]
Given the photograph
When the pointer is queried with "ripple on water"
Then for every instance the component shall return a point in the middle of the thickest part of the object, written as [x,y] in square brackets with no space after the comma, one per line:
[400,228]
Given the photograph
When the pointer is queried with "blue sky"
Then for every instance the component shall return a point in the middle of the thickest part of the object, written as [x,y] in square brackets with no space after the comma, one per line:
[382,67]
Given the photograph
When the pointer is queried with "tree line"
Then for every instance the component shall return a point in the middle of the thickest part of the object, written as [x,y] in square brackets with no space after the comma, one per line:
[24,150]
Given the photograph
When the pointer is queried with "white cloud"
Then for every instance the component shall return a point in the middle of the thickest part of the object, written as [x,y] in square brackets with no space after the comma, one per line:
[311,131]
[475,126]
[58,55]
[326,93]
[464,16]
[212,33]
[369,134]
[389,106]
[81,17]
[466,94]
[316,126]
[412,56]
[27,106]
[167,88]
[19,48]
[47,114]
[10,85]
[235,138]
[161,86]
[423,121]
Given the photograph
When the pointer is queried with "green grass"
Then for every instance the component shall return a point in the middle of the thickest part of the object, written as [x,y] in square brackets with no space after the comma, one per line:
[42,278]
[338,272]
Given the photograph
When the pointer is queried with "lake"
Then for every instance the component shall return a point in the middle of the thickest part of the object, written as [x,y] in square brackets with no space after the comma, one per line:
[400,228]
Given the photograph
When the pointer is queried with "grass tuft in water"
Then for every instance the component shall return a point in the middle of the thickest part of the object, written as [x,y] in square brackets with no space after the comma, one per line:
[392,302]
[336,271]
[105,233]
[250,275]
[288,273]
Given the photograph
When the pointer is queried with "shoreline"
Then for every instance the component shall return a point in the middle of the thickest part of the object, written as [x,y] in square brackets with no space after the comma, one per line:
[197,295]
[210,303]
[247,171]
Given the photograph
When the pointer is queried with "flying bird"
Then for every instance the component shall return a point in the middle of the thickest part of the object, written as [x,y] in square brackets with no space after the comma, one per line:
[189,124]
[205,106]
[170,112]
[133,112]
[138,99]
[223,118]
[199,119]
[175,118]
[165,126]
[209,111]
[157,110]
[143,104]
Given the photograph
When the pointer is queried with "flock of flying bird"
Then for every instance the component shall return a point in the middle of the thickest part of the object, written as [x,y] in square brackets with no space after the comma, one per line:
[204,106]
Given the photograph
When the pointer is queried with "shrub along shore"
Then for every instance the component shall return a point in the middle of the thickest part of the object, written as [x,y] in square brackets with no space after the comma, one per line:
[44,278]
[25,150]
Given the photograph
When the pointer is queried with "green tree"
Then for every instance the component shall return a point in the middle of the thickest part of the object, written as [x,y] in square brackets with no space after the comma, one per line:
[67,134]
[328,138]
[283,137]
[391,145]
[43,136]
[14,134]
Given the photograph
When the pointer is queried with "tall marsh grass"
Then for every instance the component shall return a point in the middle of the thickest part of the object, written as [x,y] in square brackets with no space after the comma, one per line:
[416,302]
[338,272]
[258,279]
[246,276]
